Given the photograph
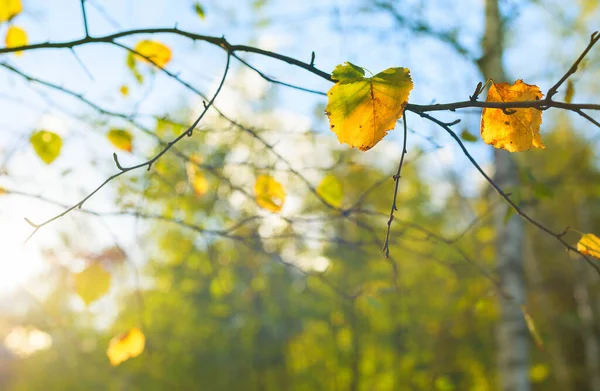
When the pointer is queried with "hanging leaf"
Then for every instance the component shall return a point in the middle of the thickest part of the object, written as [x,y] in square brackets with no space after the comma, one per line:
[124,90]
[269,193]
[132,65]
[589,244]
[9,9]
[47,145]
[468,136]
[121,139]
[514,132]
[570,91]
[330,189]
[3,191]
[155,51]
[196,178]
[125,346]
[92,283]
[362,110]
[532,329]
[15,37]
[200,11]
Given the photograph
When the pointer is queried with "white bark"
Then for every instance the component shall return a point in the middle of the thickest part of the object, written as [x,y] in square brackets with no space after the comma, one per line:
[513,338]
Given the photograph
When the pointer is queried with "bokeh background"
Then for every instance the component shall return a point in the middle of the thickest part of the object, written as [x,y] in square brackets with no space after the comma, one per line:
[234,297]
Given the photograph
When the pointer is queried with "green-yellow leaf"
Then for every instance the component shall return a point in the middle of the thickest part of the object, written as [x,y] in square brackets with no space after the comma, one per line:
[9,9]
[269,193]
[589,244]
[200,11]
[330,189]
[47,145]
[158,53]
[121,139]
[467,136]
[92,283]
[124,90]
[361,109]
[125,346]
[15,37]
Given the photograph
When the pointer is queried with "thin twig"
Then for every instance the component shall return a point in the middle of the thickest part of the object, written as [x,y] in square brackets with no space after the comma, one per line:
[386,244]
[148,164]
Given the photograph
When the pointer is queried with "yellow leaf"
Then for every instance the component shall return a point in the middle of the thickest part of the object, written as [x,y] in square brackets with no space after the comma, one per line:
[15,37]
[121,139]
[195,177]
[200,11]
[589,244]
[3,191]
[47,145]
[124,90]
[9,9]
[362,110]
[125,346]
[269,193]
[532,329]
[330,189]
[514,132]
[92,283]
[155,51]
[570,91]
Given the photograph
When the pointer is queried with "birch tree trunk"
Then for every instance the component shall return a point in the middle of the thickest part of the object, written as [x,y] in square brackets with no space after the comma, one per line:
[512,334]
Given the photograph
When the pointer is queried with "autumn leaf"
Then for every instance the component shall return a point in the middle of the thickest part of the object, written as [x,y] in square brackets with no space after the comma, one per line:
[196,178]
[269,193]
[570,91]
[15,37]
[3,191]
[92,283]
[330,189]
[125,346]
[514,132]
[121,139]
[361,109]
[9,9]
[532,329]
[200,11]
[589,244]
[155,51]
[47,145]
[124,90]
[467,136]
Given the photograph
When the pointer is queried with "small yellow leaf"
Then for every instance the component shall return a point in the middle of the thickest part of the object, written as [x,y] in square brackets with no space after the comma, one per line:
[589,244]
[362,110]
[330,189]
[200,11]
[155,51]
[514,132]
[92,283]
[15,37]
[125,346]
[570,91]
[269,193]
[47,145]
[124,90]
[195,177]
[532,329]
[3,191]
[9,9]
[121,139]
